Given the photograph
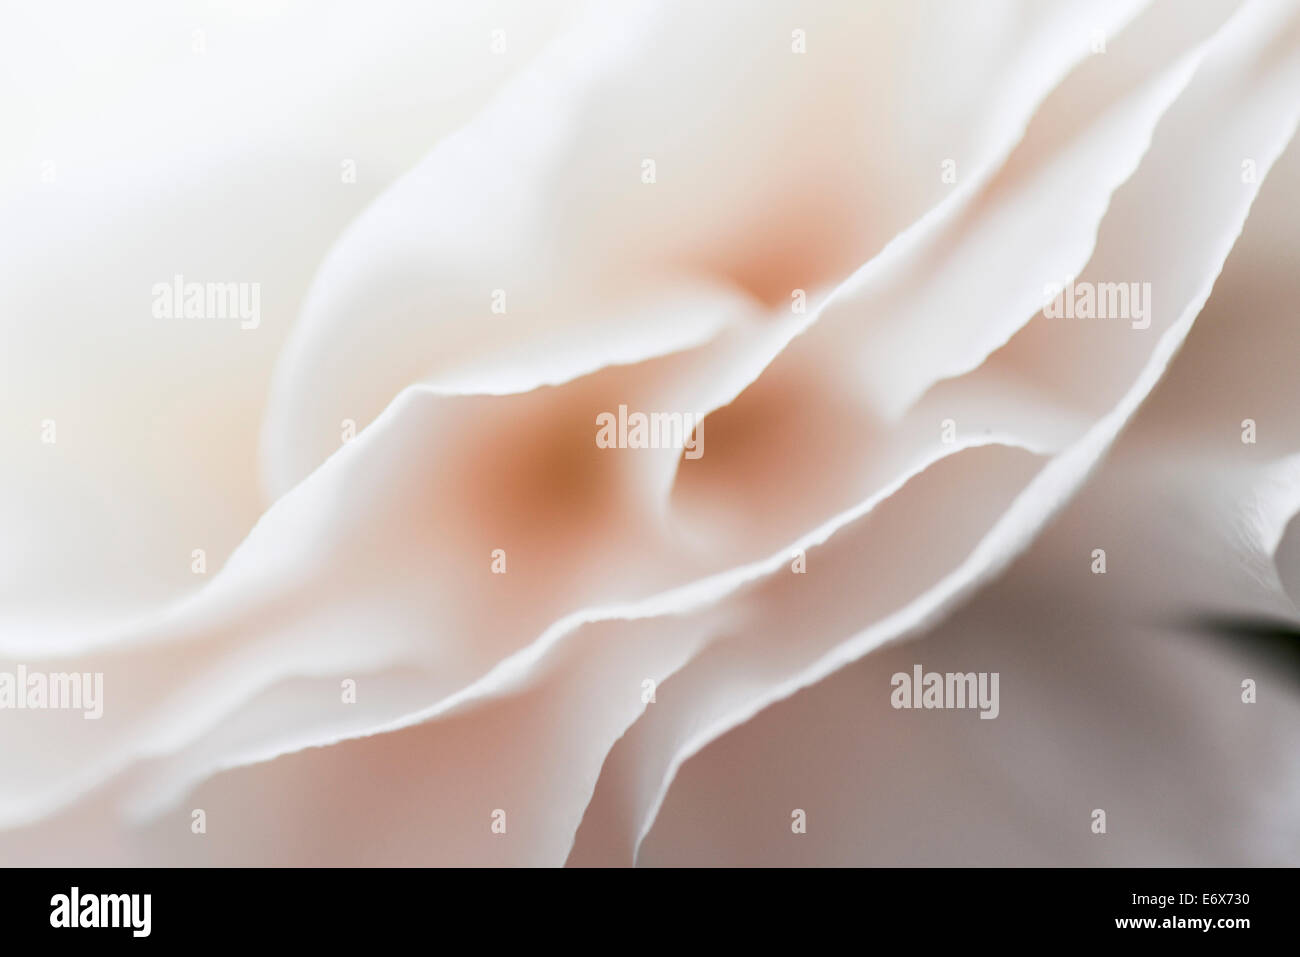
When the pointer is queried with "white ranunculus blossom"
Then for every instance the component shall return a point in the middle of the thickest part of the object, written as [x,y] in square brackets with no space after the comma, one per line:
[361,581]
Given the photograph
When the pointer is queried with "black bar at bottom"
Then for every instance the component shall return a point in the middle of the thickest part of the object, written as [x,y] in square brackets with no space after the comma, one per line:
[441,907]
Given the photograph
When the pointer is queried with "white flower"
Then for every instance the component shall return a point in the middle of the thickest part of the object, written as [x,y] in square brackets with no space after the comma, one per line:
[359,577]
